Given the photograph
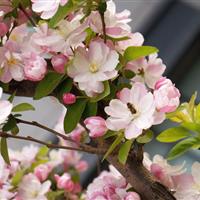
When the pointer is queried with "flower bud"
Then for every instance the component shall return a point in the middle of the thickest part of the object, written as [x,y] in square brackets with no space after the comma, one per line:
[58,62]
[42,171]
[3,29]
[69,98]
[64,182]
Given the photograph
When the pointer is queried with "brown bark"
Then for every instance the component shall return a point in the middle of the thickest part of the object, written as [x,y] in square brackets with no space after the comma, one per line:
[134,172]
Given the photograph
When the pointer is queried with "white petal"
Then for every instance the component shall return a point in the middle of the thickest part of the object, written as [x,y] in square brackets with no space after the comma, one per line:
[116,124]
[5,110]
[195,172]
[132,131]
[45,188]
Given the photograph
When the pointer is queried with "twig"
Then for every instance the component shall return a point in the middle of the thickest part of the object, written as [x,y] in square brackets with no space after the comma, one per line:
[104,26]
[90,150]
[26,14]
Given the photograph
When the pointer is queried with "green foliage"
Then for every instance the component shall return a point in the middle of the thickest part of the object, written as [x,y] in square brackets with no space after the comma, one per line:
[173,134]
[182,147]
[124,151]
[55,195]
[105,93]
[110,134]
[133,53]
[73,115]
[4,150]
[24,3]
[90,109]
[116,142]
[23,107]
[10,124]
[48,84]
[129,74]
[146,138]
[17,178]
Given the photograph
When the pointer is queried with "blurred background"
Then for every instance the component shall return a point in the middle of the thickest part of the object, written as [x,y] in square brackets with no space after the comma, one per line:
[173,26]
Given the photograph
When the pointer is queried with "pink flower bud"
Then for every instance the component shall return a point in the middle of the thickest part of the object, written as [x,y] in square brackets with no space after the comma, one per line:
[81,166]
[77,188]
[77,134]
[96,125]
[69,98]
[167,96]
[64,182]
[42,171]
[58,62]
[3,29]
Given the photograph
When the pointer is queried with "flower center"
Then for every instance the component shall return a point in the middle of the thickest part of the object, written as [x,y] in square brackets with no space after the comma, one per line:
[141,71]
[93,68]
[132,108]
[12,61]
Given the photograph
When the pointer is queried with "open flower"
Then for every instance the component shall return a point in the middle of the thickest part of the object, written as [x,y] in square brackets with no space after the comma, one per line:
[93,66]
[147,71]
[48,8]
[5,108]
[133,111]
[31,188]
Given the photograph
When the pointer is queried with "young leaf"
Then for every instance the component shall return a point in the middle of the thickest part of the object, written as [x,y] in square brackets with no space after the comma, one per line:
[124,151]
[10,124]
[110,134]
[145,138]
[182,147]
[4,150]
[191,105]
[105,93]
[73,115]
[133,53]
[173,134]
[191,126]
[114,145]
[11,98]
[23,107]
[48,84]
[16,179]
[90,109]
[197,113]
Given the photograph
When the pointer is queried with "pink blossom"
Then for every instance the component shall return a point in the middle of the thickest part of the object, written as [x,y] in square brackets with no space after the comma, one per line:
[35,67]
[31,188]
[116,23]
[64,182]
[69,98]
[132,196]
[47,8]
[165,172]
[147,71]
[81,166]
[4,172]
[78,133]
[96,125]
[132,112]
[42,171]
[167,96]
[5,108]
[135,39]
[58,62]
[93,66]
[3,29]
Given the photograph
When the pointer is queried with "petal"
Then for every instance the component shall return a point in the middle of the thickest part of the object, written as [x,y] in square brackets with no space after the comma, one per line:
[45,188]
[117,124]
[5,110]
[132,131]
[195,172]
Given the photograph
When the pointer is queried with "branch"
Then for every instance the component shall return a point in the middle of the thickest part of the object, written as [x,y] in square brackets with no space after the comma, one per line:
[90,150]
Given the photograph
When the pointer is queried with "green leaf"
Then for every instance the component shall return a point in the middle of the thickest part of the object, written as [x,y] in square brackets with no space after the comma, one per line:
[197,113]
[48,84]
[43,152]
[10,124]
[146,138]
[173,134]
[129,74]
[114,145]
[124,151]
[4,150]
[102,7]
[109,134]
[23,107]
[62,12]
[73,115]
[54,195]
[133,53]
[191,126]
[90,109]
[24,3]
[182,147]
[11,98]
[191,105]
[16,179]
[105,93]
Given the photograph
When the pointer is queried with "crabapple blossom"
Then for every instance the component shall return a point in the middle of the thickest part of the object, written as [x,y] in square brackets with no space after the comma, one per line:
[116,23]
[35,67]
[42,171]
[31,188]
[4,171]
[48,8]
[167,96]
[165,172]
[132,112]
[93,66]
[58,62]
[147,71]
[77,134]
[5,108]
[96,125]
[64,182]
[3,29]
[69,98]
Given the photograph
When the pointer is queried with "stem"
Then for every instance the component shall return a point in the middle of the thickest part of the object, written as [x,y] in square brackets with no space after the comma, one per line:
[52,146]
[104,26]
[26,14]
